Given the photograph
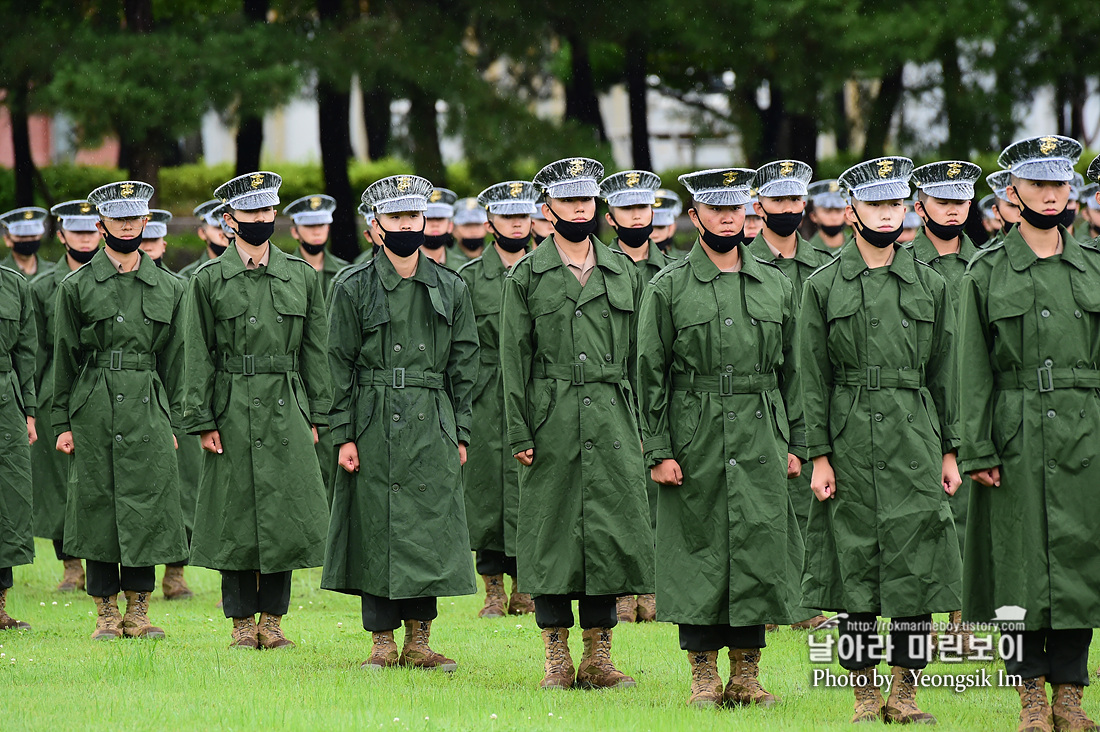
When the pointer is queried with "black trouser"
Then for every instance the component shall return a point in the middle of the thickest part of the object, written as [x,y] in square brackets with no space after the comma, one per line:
[860,647]
[59,550]
[246,593]
[104,579]
[717,637]
[491,562]
[7,579]
[1062,656]
[556,611]
[382,613]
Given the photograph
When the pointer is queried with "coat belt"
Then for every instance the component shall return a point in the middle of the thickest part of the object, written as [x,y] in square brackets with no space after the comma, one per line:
[725,384]
[1046,378]
[876,377]
[122,361]
[250,364]
[580,373]
[400,378]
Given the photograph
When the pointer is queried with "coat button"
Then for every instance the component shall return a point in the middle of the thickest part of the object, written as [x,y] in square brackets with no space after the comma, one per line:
[612,401]
[1052,464]
[605,313]
[904,323]
[1085,463]
[582,357]
[255,402]
[878,416]
[420,416]
[733,462]
[731,415]
[616,444]
[729,368]
[866,272]
[4,398]
[422,487]
[145,400]
[395,487]
[763,459]
[7,435]
[421,347]
[397,347]
[578,313]
[1081,364]
[1048,362]
[259,443]
[1051,413]
[880,465]
[281,402]
[587,401]
[1077,313]
[118,438]
[752,321]
[397,418]
[909,417]
[913,465]
[147,321]
[120,398]
[1045,313]
[874,322]
[729,321]
[252,320]
[607,357]
[759,414]
[757,367]
[285,442]
[120,318]
[588,444]
[145,438]
[278,318]
[1082,413]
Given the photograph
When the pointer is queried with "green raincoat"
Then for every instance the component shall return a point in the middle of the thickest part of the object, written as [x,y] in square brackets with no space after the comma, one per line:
[43,265]
[718,391]
[117,369]
[257,371]
[404,361]
[1029,370]
[18,346]
[567,358]
[876,356]
[819,244]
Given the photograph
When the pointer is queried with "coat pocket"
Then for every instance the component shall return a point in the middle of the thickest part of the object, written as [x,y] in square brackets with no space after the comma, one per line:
[779,413]
[364,410]
[290,299]
[932,413]
[685,411]
[300,396]
[538,404]
[1008,418]
[446,417]
[841,406]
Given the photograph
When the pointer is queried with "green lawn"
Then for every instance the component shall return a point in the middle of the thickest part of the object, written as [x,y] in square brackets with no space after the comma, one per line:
[55,678]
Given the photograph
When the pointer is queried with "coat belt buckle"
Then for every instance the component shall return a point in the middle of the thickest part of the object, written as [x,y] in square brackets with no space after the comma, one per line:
[725,384]
[248,365]
[398,378]
[578,374]
[1047,384]
[116,361]
[874,378]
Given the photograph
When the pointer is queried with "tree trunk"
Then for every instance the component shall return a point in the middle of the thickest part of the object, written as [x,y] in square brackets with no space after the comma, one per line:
[960,127]
[581,102]
[250,131]
[376,118]
[802,138]
[841,130]
[139,15]
[772,126]
[334,109]
[882,113]
[21,144]
[424,133]
[637,89]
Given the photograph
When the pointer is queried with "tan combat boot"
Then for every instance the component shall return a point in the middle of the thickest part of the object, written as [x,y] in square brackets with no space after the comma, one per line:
[744,685]
[596,670]
[626,607]
[417,654]
[174,586]
[1067,711]
[901,705]
[73,577]
[108,624]
[269,634]
[1035,712]
[869,703]
[809,624]
[495,599]
[244,633]
[383,652]
[706,684]
[135,623]
[7,622]
[647,608]
[559,664]
[519,603]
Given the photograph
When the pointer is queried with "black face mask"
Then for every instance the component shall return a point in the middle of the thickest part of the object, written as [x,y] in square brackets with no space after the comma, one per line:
[575,231]
[438,241]
[633,238]
[255,232]
[880,239]
[1007,228]
[831,231]
[783,224]
[663,245]
[26,248]
[1036,219]
[539,239]
[402,243]
[80,257]
[472,244]
[944,232]
[509,244]
[123,246]
[721,244]
[312,249]
[217,249]
[1094,231]
[1068,217]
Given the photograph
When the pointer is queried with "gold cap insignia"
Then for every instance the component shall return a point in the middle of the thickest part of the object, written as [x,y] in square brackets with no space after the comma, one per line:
[315,203]
[658,203]
[471,204]
[257,180]
[834,186]
[436,195]
[786,168]
[953,170]
[729,178]
[515,189]
[126,189]
[404,183]
[632,179]
[885,168]
[576,167]
[85,207]
[1047,145]
[28,214]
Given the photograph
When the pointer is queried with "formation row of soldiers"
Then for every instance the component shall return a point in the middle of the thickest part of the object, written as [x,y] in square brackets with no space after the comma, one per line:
[890,369]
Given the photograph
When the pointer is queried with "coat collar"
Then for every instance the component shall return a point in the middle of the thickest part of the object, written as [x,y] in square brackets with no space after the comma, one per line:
[1021,256]
[654,254]
[925,250]
[102,267]
[804,252]
[705,270]
[232,264]
[546,258]
[852,265]
[492,266]
[425,271]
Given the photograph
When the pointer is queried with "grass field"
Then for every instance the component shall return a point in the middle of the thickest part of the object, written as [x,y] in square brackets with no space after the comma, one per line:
[55,678]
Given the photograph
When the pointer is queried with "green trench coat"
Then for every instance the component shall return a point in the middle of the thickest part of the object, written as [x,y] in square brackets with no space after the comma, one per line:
[404,361]
[729,550]
[257,372]
[491,475]
[951,267]
[49,468]
[879,396]
[568,363]
[1029,354]
[117,371]
[18,345]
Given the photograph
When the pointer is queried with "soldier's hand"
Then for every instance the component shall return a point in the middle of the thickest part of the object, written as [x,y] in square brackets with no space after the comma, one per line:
[950,476]
[823,479]
[990,478]
[667,472]
[32,433]
[316,437]
[462,453]
[212,441]
[175,443]
[349,457]
[794,466]
[526,457]
[65,442]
